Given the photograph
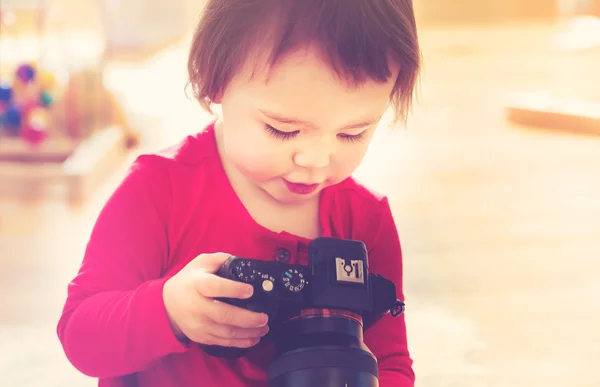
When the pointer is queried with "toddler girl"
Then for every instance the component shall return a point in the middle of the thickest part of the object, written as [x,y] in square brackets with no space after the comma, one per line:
[302,85]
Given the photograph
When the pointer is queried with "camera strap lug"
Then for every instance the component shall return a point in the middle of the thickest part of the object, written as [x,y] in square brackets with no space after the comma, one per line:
[398,309]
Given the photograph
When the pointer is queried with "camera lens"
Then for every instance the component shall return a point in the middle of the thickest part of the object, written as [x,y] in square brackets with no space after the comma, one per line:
[322,347]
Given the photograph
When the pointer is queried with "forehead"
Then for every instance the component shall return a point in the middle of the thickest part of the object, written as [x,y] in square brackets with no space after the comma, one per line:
[301,84]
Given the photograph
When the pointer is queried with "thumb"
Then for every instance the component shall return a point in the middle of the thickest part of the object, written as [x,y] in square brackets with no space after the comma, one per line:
[210,262]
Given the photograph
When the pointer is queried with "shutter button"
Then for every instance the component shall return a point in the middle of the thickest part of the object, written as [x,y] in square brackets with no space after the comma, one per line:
[282,255]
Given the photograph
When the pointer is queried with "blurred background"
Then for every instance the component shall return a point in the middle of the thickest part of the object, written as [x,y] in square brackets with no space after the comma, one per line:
[494,182]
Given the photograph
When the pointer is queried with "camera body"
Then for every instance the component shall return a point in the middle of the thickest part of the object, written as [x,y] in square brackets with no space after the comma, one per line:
[336,281]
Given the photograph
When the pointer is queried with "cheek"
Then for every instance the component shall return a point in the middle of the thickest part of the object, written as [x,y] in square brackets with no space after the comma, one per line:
[253,153]
[348,161]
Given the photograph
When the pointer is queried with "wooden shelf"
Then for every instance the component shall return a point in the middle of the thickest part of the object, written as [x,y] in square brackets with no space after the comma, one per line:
[551,111]
[78,169]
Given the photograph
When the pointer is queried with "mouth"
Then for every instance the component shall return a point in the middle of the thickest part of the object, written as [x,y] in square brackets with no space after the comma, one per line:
[300,188]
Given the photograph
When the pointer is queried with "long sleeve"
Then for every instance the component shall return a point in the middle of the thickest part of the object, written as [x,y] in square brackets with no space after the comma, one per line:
[387,338]
[114,322]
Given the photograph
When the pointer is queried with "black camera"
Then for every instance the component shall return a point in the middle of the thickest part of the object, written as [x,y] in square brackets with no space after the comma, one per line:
[317,314]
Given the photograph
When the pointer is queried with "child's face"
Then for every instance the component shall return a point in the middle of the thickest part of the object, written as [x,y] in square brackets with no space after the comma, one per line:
[329,126]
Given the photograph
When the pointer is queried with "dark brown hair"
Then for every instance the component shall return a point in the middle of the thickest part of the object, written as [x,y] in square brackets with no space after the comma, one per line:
[358,38]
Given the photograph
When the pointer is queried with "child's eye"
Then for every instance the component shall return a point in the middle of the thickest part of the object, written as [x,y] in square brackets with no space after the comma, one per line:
[281,135]
[352,137]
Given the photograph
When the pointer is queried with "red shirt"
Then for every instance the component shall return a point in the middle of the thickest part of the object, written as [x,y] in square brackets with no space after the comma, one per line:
[171,207]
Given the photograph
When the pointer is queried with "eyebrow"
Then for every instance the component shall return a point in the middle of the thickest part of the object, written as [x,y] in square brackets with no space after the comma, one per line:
[294,121]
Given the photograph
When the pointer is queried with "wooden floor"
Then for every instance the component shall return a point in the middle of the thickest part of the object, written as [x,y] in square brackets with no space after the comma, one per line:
[500,224]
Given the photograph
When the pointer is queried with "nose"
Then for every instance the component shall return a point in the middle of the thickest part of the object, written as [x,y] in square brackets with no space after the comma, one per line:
[313,155]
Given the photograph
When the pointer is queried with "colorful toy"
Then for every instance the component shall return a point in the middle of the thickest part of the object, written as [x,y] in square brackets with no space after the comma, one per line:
[25,104]
[26,73]
[79,123]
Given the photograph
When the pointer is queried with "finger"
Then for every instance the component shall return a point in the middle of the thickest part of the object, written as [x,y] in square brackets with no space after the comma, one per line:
[226,314]
[231,332]
[211,286]
[238,343]
[210,262]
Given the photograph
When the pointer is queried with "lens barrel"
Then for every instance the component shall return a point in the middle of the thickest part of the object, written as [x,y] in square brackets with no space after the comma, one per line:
[322,349]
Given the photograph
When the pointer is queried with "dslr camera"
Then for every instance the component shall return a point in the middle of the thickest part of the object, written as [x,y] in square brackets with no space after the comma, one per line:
[317,314]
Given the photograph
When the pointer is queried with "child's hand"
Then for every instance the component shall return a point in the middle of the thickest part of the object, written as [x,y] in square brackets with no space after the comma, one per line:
[188,298]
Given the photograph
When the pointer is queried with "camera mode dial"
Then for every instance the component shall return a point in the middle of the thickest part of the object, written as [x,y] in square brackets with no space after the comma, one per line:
[293,280]
[245,270]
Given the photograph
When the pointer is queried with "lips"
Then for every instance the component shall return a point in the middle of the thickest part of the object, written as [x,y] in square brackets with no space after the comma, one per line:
[301,189]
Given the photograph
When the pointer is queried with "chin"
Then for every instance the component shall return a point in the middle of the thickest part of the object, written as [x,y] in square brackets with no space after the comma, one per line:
[286,197]
[294,199]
